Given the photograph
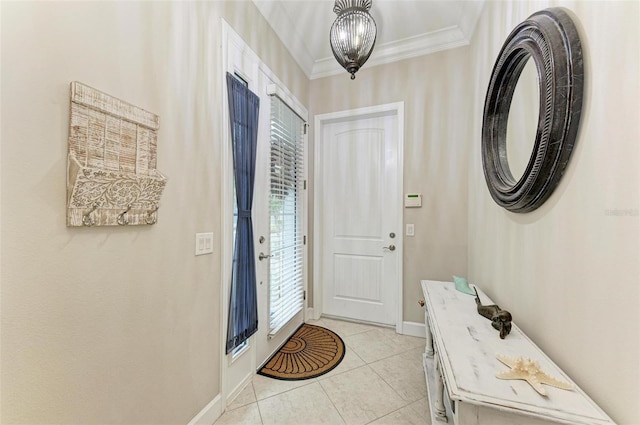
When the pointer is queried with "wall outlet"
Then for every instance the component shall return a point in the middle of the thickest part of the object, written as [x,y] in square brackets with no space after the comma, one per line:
[204,243]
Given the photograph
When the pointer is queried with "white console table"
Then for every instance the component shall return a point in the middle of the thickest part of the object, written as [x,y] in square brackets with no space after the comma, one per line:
[460,368]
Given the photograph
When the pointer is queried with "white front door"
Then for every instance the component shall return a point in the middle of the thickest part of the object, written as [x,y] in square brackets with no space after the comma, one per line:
[360,186]
[279,226]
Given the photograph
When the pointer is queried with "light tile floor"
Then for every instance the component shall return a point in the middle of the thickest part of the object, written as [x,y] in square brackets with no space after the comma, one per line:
[380,381]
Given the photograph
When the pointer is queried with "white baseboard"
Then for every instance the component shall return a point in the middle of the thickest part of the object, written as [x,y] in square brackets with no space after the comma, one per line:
[209,414]
[238,389]
[310,314]
[413,329]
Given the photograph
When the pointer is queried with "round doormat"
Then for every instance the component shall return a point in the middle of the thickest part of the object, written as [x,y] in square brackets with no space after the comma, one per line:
[310,352]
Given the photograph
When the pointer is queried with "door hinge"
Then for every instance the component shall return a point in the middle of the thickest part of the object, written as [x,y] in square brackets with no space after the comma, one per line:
[304,185]
[304,240]
[306,126]
[304,295]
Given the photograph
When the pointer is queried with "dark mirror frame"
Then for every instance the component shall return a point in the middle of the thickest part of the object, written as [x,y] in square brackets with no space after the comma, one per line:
[552,40]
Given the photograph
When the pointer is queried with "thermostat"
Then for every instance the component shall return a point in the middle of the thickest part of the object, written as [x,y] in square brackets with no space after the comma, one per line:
[412,200]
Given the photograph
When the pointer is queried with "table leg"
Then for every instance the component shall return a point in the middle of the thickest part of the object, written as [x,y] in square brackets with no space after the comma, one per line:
[429,344]
[440,412]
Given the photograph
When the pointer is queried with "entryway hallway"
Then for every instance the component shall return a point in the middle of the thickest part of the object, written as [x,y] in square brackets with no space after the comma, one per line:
[380,381]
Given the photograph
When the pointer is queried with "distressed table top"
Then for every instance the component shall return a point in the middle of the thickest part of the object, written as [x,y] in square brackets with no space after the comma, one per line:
[468,346]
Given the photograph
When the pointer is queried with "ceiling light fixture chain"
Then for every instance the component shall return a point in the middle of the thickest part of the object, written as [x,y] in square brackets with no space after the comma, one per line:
[353,34]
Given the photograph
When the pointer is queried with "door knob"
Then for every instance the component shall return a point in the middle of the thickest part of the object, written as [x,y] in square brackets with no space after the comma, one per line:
[390,247]
[262,256]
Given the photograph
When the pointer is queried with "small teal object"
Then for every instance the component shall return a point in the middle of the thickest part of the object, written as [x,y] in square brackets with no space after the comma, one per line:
[462,285]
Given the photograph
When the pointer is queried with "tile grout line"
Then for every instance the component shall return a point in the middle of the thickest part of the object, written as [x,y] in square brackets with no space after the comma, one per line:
[310,381]
[390,386]
[409,403]
[257,404]
[384,337]
[332,403]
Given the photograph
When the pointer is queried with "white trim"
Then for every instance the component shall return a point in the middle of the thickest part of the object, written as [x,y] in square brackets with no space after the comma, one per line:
[348,319]
[471,11]
[413,329]
[359,112]
[319,121]
[305,264]
[244,64]
[210,413]
[238,389]
[310,314]
[244,348]
[279,89]
[238,57]
[227,201]
[399,106]
[282,24]
[435,41]
[288,99]
[225,237]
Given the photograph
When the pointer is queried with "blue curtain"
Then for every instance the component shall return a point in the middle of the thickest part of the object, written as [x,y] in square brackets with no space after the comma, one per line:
[243,306]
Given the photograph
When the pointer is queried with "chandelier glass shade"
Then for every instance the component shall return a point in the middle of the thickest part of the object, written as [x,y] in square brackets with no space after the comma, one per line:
[353,34]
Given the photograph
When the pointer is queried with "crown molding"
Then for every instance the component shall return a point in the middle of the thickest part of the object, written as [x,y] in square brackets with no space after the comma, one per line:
[423,44]
[471,11]
[282,24]
[446,38]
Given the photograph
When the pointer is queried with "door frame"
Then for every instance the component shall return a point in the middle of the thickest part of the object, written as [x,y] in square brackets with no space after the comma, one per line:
[397,109]
[235,370]
[238,57]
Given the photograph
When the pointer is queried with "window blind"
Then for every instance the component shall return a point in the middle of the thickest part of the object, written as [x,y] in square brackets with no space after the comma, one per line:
[286,215]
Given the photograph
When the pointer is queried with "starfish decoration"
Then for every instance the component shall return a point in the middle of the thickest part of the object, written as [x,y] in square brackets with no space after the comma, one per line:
[529,370]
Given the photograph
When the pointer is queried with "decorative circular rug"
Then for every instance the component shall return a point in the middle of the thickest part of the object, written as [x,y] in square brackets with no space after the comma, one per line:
[310,352]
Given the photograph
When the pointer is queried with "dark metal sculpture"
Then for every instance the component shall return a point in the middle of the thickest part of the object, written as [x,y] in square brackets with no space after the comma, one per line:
[500,319]
[552,40]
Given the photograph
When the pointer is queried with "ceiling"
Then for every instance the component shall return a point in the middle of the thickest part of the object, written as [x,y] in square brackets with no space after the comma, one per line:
[406,28]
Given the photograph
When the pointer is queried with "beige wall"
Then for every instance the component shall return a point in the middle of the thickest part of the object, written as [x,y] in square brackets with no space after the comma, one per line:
[570,271]
[115,325]
[123,325]
[435,155]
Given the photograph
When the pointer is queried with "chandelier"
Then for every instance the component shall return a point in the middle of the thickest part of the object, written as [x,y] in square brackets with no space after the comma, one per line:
[353,34]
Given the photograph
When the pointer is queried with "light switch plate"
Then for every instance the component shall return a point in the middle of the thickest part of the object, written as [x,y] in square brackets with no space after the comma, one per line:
[410,230]
[204,243]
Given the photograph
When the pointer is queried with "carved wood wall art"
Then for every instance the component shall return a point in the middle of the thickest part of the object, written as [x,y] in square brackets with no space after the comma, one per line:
[552,40]
[111,177]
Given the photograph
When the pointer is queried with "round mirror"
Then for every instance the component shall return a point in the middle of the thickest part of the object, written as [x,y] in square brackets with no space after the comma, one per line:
[522,122]
[549,40]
